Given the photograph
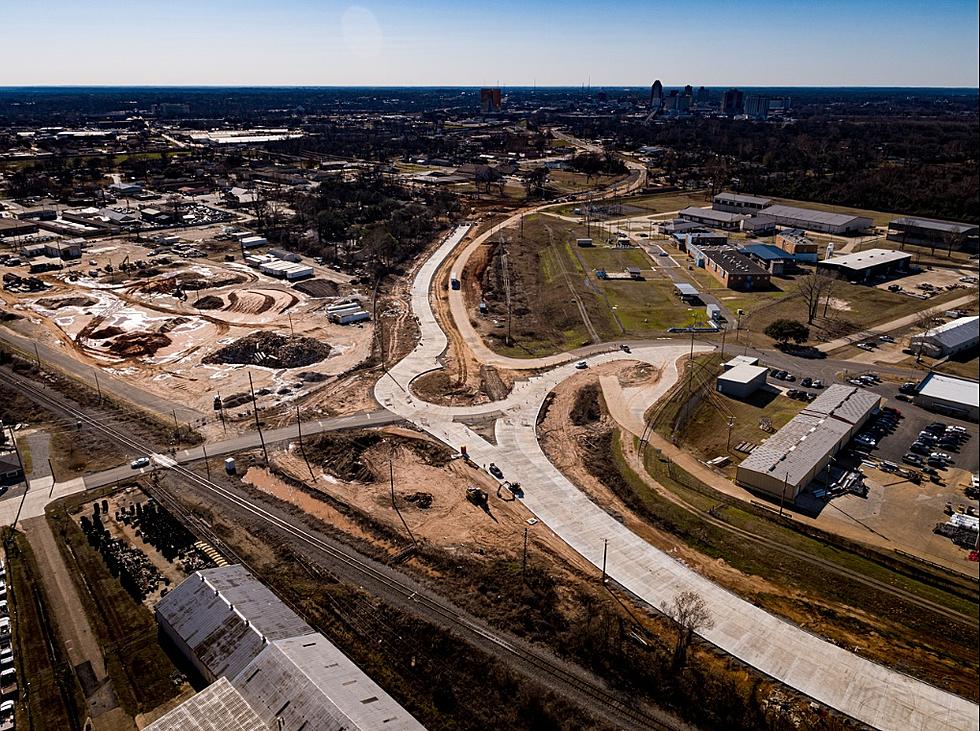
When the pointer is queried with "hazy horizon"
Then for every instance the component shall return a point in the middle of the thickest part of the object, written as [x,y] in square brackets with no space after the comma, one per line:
[310,43]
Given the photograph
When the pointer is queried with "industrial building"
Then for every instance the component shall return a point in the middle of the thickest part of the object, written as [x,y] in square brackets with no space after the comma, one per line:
[930,232]
[814,220]
[795,243]
[738,203]
[687,292]
[866,266]
[715,219]
[269,670]
[742,380]
[10,227]
[10,470]
[949,338]
[791,458]
[731,268]
[948,395]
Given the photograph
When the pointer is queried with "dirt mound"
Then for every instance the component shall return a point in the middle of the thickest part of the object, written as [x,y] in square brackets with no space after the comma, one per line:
[105,333]
[133,345]
[272,350]
[172,323]
[588,405]
[318,288]
[51,303]
[342,455]
[210,302]
[195,283]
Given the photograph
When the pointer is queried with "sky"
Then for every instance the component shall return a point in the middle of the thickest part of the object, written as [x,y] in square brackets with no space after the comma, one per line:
[490,42]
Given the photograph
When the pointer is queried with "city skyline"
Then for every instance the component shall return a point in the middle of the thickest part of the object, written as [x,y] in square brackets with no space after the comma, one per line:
[306,43]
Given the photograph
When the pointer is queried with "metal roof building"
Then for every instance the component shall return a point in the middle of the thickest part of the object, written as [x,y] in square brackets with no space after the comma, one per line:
[307,683]
[738,203]
[913,230]
[273,671]
[713,218]
[866,265]
[813,220]
[949,338]
[222,618]
[947,395]
[792,457]
[741,380]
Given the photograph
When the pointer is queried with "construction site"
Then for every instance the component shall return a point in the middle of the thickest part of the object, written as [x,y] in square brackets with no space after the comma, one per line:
[193,330]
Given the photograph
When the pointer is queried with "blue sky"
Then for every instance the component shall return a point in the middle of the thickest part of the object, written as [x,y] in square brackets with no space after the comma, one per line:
[515,43]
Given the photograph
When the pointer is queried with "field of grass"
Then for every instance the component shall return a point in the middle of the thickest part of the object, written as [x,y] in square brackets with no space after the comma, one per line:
[649,307]
[141,671]
[566,181]
[706,432]
[55,699]
[611,259]
[649,204]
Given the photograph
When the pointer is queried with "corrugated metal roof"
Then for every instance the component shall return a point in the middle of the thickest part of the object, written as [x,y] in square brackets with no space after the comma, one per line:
[742,373]
[219,707]
[955,333]
[865,259]
[847,403]
[310,684]
[953,390]
[225,615]
[810,436]
[932,224]
[710,214]
[814,216]
[740,198]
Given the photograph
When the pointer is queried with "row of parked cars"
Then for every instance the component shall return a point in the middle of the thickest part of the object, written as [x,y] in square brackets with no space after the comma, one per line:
[8,675]
[880,426]
[933,446]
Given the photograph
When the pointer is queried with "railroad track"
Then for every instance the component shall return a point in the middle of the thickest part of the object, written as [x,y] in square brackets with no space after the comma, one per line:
[526,657]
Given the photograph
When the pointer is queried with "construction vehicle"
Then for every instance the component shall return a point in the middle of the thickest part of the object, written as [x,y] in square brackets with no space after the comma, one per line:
[478,497]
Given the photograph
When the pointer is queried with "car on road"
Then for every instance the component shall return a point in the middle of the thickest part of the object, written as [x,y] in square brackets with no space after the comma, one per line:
[625,348]
[140,462]
[865,346]
[886,338]
[581,365]
[664,253]
[495,471]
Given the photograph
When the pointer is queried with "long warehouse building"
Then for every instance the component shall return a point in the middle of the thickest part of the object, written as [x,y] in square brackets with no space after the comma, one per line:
[950,338]
[810,219]
[269,670]
[790,459]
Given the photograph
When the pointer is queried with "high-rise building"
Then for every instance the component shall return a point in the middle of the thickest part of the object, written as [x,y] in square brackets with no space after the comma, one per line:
[656,95]
[732,102]
[703,97]
[490,101]
[757,106]
[688,90]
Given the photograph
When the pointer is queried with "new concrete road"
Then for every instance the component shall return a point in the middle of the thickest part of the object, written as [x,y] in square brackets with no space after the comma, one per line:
[45,490]
[871,693]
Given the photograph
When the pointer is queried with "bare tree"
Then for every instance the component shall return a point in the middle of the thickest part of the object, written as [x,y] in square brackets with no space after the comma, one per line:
[813,288]
[690,614]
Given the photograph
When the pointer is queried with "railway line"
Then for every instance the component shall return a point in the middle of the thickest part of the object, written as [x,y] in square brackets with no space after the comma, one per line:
[407,595]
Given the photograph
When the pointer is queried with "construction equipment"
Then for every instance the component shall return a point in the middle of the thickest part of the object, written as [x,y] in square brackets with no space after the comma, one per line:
[478,497]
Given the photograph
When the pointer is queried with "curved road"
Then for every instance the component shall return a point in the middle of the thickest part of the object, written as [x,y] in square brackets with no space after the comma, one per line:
[866,691]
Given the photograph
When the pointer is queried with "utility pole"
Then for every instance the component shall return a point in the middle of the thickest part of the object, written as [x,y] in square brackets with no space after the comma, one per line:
[98,388]
[524,559]
[37,355]
[27,484]
[605,550]
[302,449]
[291,330]
[255,412]
[207,464]
[176,426]
[731,423]
[724,332]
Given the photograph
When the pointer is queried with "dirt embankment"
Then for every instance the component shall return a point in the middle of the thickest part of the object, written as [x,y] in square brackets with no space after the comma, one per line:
[272,350]
[55,303]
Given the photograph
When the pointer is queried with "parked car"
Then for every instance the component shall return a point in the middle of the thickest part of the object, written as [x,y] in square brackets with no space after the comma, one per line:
[495,471]
[912,459]
[886,338]
[908,387]
[941,455]
[904,397]
[807,382]
[818,383]
[919,448]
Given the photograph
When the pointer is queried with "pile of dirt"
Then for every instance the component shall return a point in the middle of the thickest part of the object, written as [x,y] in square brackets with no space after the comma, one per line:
[195,283]
[318,288]
[172,323]
[235,400]
[210,302]
[6,316]
[136,344]
[106,333]
[422,499]
[51,303]
[272,350]
[342,455]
